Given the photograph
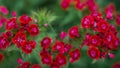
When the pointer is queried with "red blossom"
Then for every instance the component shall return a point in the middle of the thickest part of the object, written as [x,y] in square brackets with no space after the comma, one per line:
[33,30]
[36,66]
[74,55]
[19,38]
[118,19]
[73,32]
[87,21]
[4,43]
[102,26]
[94,52]
[54,65]
[63,35]
[61,59]
[11,24]
[46,41]
[94,40]
[58,46]
[24,19]
[65,4]
[25,65]
[27,47]
[46,59]
[1,57]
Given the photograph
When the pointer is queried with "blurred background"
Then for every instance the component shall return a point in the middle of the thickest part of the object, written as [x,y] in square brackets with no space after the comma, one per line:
[64,20]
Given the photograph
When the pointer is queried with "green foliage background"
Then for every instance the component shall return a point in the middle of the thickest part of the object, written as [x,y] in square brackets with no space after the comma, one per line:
[63,21]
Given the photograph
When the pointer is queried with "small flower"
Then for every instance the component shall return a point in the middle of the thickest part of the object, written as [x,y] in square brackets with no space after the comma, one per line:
[25,65]
[73,32]
[1,57]
[94,52]
[102,26]
[58,46]
[45,25]
[87,21]
[24,19]
[36,66]
[11,24]
[35,20]
[4,43]
[111,55]
[14,13]
[118,20]
[65,4]
[19,38]
[33,30]
[116,65]
[63,35]
[61,59]
[46,41]
[27,47]
[19,60]
[74,55]
[67,48]
[92,6]
[54,65]
[94,40]
[46,59]
[79,6]
[4,10]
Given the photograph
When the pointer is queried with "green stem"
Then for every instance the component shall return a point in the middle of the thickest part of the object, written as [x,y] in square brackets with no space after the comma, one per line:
[52,29]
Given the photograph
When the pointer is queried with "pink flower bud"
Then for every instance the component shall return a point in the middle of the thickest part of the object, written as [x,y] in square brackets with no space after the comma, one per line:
[35,20]
[13,13]
[45,25]
[63,35]
[111,55]
[19,60]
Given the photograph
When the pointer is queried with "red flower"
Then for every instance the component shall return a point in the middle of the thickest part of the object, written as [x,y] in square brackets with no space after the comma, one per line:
[74,55]
[27,47]
[33,30]
[67,48]
[44,51]
[102,26]
[25,65]
[87,22]
[58,46]
[46,41]
[19,60]
[11,24]
[65,4]
[54,65]
[24,19]
[94,52]
[79,5]
[73,32]
[46,59]
[63,35]
[92,6]
[19,38]
[61,59]
[116,65]
[7,34]
[94,40]
[4,43]
[115,43]
[36,66]
[1,57]
[108,38]
[118,19]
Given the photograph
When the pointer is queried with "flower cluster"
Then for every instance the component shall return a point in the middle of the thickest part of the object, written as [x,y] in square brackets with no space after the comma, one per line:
[18,29]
